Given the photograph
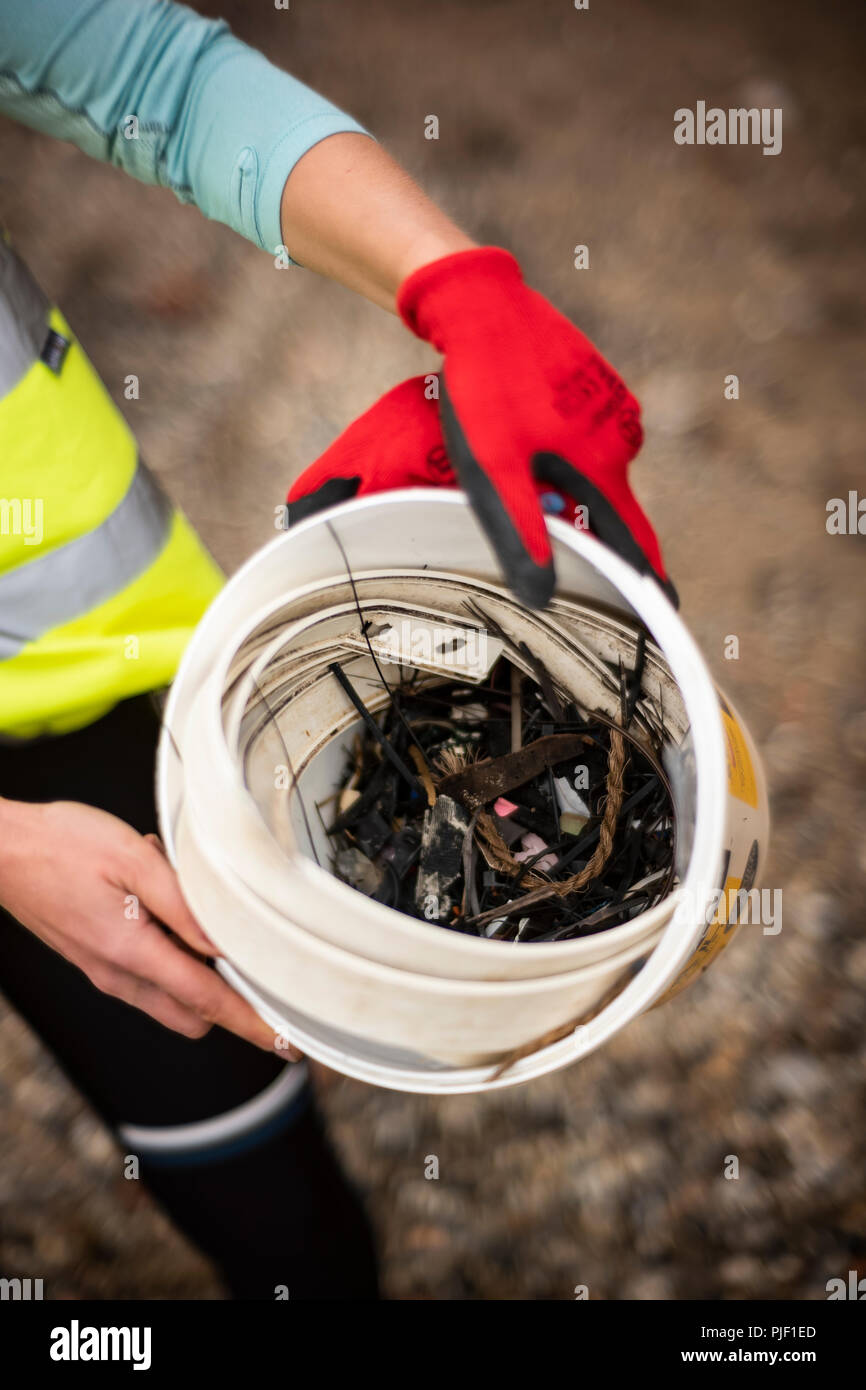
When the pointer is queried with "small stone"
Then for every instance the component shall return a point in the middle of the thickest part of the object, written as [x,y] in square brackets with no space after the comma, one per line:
[58,1247]
[855,737]
[743,1271]
[395,1132]
[796,1076]
[672,402]
[785,1268]
[36,1096]
[653,1287]
[787,755]
[815,914]
[427,1238]
[855,965]
[88,1138]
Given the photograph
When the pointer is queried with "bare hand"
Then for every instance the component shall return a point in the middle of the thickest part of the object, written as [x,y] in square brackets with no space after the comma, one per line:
[100,894]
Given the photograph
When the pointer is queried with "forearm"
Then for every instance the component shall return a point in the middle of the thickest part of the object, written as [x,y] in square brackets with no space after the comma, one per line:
[10,836]
[170,97]
[177,100]
[350,212]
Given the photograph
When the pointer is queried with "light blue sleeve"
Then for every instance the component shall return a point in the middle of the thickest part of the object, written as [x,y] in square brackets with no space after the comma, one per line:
[214,121]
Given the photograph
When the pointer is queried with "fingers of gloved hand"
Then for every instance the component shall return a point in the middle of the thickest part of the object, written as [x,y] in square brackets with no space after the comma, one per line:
[519,372]
[508,509]
[396,443]
[328,494]
[585,392]
[601,433]
[620,522]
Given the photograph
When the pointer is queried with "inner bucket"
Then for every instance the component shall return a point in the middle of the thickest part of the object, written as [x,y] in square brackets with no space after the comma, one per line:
[289,711]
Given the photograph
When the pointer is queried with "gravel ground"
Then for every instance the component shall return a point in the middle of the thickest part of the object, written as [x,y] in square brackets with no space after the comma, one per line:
[555,129]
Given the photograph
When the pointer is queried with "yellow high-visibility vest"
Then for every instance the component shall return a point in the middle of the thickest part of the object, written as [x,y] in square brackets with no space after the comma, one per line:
[102,580]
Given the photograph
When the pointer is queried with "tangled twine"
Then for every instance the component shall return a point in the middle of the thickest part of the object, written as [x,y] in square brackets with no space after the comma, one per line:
[616,764]
[499,856]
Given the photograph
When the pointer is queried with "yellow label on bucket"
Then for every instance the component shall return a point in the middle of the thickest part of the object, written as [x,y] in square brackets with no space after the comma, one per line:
[714,940]
[741,774]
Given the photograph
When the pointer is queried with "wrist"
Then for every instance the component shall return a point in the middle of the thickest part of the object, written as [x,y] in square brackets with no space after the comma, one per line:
[428,249]
[473,281]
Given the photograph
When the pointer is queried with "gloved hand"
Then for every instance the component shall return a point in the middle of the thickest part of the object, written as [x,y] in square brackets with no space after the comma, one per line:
[526,404]
[396,443]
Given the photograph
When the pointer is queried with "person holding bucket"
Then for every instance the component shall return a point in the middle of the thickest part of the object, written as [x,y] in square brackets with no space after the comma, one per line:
[102,581]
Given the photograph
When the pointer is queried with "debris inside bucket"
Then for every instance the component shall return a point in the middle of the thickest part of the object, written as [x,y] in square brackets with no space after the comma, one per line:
[504,811]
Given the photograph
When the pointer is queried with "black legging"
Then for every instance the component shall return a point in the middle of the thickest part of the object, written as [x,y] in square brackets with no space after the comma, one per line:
[260,1192]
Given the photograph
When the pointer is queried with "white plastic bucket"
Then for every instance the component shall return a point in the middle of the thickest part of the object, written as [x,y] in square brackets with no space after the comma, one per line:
[374,993]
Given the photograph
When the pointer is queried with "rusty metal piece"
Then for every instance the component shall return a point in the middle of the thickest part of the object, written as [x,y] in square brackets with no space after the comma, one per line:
[484,781]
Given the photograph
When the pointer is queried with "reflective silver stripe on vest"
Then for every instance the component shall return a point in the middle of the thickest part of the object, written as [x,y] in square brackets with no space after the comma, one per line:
[24,314]
[69,581]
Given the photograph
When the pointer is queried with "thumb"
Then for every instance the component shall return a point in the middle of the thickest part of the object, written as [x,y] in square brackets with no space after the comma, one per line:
[396,443]
[509,510]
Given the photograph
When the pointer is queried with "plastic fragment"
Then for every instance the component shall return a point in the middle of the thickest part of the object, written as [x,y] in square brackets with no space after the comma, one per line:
[401,850]
[355,868]
[493,927]
[469,714]
[372,832]
[509,829]
[533,845]
[569,797]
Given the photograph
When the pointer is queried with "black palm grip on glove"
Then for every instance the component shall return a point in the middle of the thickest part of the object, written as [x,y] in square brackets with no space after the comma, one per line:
[332,492]
[534,584]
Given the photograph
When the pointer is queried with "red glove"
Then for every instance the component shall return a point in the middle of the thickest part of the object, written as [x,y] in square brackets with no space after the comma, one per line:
[526,402]
[396,443]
